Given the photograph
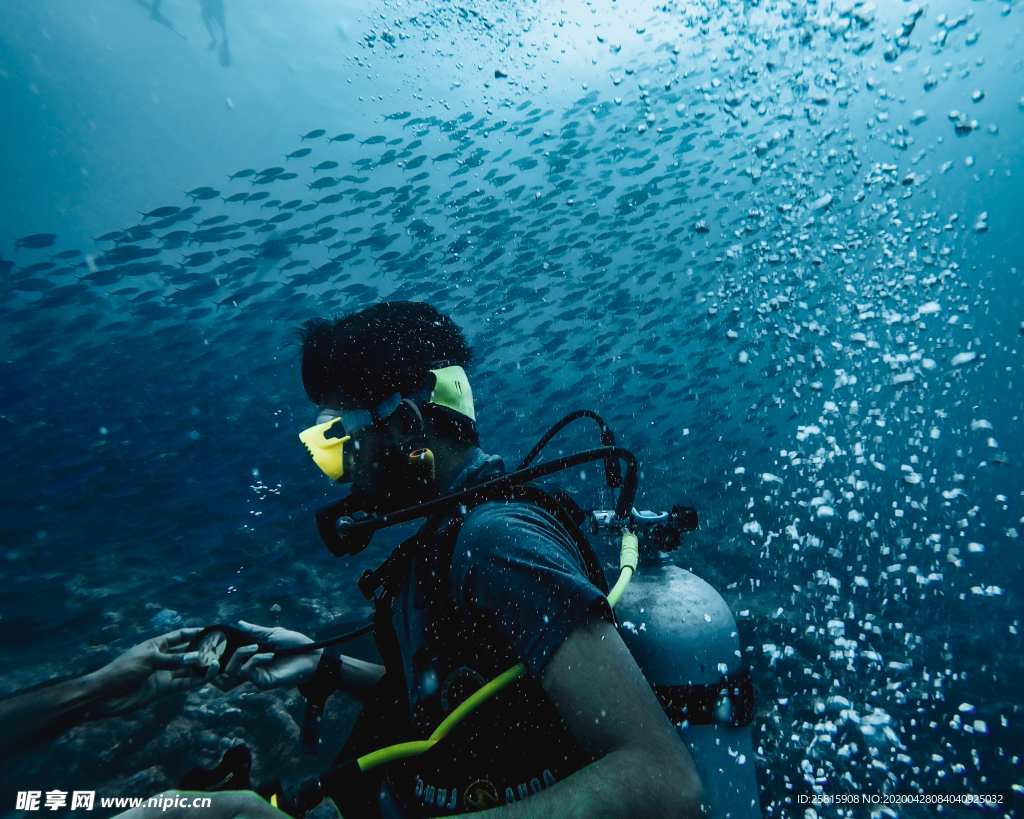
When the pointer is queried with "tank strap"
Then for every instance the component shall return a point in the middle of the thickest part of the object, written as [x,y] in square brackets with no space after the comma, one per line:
[730,702]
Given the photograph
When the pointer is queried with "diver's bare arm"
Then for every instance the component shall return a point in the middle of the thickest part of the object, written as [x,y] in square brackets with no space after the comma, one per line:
[358,676]
[152,669]
[44,711]
[642,768]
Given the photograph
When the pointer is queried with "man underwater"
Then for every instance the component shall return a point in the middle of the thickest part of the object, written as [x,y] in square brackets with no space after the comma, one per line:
[503,582]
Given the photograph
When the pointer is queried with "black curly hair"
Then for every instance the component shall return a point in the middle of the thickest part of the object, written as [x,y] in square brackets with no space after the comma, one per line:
[363,358]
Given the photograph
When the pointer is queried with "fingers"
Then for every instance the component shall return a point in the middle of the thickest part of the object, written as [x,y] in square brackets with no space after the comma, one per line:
[162,661]
[239,658]
[222,681]
[277,635]
[266,671]
[260,632]
[176,638]
[184,637]
[230,677]
[255,671]
[172,643]
[254,661]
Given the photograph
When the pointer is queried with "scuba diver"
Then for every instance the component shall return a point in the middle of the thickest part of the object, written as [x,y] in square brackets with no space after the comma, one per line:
[505,682]
[582,730]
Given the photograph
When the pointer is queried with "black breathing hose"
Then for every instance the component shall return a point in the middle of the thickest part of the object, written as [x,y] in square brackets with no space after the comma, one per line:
[612,475]
[291,651]
[623,506]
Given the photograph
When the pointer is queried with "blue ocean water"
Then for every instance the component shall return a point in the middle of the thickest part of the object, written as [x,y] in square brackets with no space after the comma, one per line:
[775,244]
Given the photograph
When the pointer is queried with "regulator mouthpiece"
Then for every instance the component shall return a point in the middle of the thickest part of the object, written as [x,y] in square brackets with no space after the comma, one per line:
[422,460]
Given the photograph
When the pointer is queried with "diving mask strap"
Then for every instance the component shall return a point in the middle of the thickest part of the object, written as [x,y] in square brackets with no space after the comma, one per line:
[384,409]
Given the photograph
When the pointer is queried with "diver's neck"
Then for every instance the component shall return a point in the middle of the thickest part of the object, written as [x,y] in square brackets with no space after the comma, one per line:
[448,460]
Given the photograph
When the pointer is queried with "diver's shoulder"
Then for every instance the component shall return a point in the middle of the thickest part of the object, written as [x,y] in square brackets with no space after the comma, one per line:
[502,526]
[506,512]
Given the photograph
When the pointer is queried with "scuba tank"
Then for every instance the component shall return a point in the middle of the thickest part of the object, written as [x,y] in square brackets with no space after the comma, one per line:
[683,636]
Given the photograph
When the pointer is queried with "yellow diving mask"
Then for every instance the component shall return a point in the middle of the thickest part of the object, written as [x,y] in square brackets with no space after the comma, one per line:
[327,452]
[446,386]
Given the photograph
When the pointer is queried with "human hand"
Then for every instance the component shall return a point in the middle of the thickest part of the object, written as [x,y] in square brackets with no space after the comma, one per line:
[264,670]
[146,672]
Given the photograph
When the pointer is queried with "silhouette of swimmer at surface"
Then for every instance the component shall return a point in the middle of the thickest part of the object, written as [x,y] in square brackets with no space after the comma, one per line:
[213,18]
[153,6]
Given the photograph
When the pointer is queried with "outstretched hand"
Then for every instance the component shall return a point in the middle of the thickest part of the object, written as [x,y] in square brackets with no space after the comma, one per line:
[147,672]
[262,669]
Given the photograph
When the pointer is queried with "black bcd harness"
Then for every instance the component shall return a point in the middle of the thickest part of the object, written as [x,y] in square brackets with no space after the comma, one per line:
[513,745]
